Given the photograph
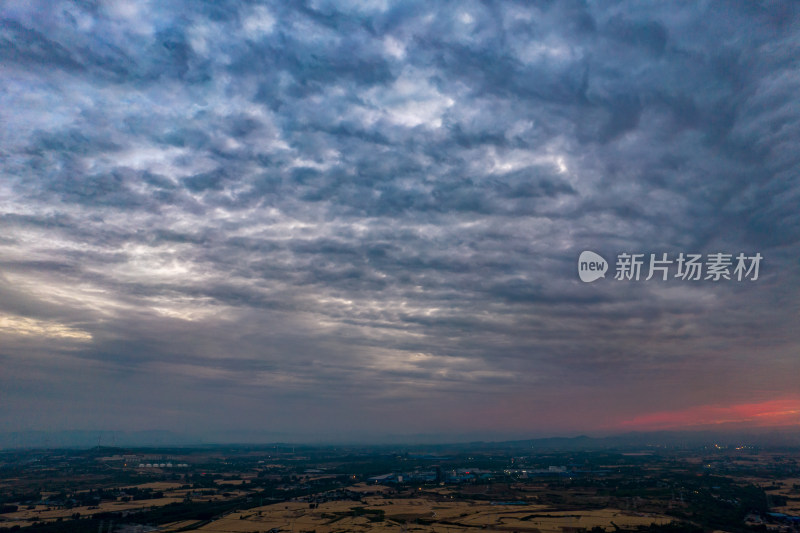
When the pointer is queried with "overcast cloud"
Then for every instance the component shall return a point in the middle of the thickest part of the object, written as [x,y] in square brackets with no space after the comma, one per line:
[347,220]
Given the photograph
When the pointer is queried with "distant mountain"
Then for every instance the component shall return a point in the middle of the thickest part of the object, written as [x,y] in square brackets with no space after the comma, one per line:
[655,439]
[88,439]
[787,438]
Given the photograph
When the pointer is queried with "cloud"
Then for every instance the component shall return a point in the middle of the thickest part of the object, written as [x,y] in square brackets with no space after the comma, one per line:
[382,204]
[13,325]
[770,413]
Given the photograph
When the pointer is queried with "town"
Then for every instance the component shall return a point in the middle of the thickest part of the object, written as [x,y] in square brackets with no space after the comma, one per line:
[516,486]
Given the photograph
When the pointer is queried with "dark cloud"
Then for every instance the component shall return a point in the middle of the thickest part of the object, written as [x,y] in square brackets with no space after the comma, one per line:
[378,207]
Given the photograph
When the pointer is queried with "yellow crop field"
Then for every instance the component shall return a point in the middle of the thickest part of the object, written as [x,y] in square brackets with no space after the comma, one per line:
[422,514]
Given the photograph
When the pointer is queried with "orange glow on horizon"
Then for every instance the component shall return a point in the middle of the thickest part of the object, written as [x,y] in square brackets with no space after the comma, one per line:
[780,412]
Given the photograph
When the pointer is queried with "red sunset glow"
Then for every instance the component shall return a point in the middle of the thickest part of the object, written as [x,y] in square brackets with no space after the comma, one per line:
[779,412]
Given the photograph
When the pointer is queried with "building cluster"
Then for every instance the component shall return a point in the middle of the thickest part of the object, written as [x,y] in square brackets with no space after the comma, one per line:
[774,522]
[438,475]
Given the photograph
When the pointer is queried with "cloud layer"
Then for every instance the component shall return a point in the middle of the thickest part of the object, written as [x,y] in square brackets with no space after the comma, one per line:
[345,220]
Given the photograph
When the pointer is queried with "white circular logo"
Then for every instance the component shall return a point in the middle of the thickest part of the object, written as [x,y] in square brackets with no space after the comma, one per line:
[591,266]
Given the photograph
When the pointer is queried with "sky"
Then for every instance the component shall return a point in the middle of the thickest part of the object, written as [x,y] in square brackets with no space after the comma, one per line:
[361,221]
